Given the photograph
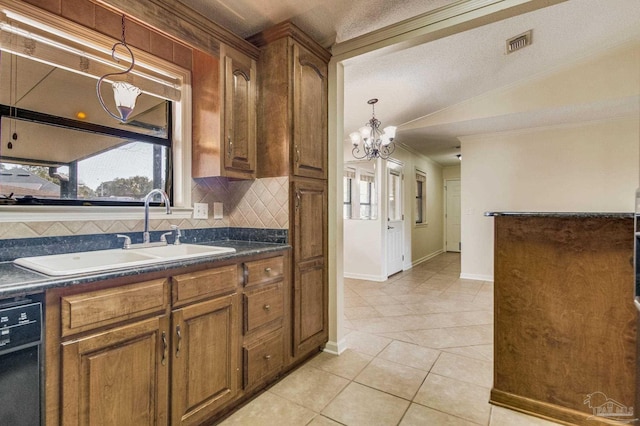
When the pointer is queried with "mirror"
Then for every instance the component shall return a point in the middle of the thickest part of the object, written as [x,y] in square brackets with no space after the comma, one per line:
[58,146]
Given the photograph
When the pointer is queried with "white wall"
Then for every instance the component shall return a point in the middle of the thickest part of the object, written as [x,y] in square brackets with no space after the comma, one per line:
[365,240]
[588,167]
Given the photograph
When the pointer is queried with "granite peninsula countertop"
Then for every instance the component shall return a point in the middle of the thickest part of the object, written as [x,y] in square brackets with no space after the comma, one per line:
[17,281]
[581,215]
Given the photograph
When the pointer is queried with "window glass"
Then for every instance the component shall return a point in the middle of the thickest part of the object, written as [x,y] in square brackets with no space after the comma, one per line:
[347,199]
[58,146]
[420,206]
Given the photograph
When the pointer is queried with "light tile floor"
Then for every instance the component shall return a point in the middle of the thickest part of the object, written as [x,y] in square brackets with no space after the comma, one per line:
[420,350]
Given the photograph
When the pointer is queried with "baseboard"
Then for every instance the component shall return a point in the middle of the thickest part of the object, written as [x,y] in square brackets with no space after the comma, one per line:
[476,277]
[367,277]
[427,257]
[335,348]
[548,411]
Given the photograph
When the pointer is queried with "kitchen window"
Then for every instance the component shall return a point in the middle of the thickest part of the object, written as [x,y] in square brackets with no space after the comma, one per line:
[367,196]
[57,145]
[347,202]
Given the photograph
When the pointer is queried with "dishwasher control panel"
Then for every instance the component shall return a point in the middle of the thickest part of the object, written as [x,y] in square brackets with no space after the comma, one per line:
[20,324]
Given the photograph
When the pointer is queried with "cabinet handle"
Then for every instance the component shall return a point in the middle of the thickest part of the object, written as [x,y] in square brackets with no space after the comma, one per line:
[179,334]
[267,270]
[267,307]
[297,154]
[165,348]
[230,149]
[267,357]
[297,200]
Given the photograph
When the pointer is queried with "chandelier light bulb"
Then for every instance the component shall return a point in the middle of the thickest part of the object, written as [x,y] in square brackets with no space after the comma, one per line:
[355,138]
[390,131]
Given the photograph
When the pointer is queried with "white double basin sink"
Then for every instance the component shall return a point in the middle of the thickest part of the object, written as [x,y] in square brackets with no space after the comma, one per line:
[108,260]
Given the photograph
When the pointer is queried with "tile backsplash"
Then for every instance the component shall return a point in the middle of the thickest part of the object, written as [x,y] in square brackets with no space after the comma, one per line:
[260,203]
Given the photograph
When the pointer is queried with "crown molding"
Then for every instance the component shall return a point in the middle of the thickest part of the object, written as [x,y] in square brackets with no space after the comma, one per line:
[435,24]
[289,29]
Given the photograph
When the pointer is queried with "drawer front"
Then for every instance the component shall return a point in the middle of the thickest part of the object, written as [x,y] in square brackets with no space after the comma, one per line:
[204,284]
[262,305]
[262,271]
[95,309]
[263,358]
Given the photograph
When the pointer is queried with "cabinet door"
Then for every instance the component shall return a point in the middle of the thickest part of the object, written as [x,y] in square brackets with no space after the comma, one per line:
[205,356]
[309,114]
[117,377]
[240,114]
[310,316]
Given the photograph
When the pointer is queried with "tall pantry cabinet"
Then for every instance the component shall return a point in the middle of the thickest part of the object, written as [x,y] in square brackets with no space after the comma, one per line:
[292,141]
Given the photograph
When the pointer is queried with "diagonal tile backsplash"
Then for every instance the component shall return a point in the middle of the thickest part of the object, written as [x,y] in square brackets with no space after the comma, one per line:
[260,203]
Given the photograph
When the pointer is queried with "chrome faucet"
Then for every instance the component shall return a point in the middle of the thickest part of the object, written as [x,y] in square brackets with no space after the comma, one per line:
[146,238]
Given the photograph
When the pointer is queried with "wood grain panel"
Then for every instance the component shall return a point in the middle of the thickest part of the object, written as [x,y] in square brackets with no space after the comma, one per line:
[263,271]
[204,284]
[262,306]
[263,358]
[564,316]
[95,309]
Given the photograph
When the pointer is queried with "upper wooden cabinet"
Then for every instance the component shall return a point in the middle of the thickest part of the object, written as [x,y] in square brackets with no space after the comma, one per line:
[224,114]
[292,107]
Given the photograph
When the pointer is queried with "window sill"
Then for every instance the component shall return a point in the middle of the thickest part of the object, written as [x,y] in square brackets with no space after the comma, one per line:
[421,225]
[93,213]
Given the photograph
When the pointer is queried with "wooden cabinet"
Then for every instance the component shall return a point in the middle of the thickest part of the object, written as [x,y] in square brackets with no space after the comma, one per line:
[224,114]
[310,292]
[126,358]
[292,110]
[264,327]
[118,376]
[292,125]
[205,359]
[565,321]
[179,349]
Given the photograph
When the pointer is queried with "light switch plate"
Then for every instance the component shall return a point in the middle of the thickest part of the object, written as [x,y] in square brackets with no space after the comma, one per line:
[200,211]
[217,211]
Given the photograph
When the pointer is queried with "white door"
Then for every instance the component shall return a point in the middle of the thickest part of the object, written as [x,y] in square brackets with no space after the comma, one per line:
[453,215]
[395,222]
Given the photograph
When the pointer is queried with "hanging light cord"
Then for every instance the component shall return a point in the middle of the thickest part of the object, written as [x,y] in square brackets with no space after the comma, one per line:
[122,43]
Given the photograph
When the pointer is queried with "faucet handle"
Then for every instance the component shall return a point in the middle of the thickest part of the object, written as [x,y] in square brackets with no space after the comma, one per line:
[178,234]
[127,241]
[163,237]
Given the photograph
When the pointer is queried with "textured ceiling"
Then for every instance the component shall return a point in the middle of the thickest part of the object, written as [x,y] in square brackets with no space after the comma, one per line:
[422,80]
[326,21]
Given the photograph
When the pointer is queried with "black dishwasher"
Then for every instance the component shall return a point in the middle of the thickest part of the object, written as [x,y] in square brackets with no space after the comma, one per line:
[21,361]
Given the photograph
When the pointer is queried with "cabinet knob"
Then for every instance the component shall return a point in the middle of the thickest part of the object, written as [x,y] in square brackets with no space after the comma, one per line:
[267,270]
[267,357]
[267,307]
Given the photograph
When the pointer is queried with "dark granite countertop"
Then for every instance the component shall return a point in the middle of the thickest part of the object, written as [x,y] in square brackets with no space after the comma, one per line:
[17,281]
[583,215]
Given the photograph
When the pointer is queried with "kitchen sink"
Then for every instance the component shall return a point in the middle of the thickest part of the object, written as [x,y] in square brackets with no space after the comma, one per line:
[108,260]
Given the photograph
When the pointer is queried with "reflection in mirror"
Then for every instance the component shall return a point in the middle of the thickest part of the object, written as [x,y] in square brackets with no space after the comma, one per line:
[57,145]
[360,191]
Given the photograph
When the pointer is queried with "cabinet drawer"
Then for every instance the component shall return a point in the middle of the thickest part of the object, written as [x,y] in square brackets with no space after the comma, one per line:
[204,284]
[95,309]
[263,358]
[262,305]
[261,271]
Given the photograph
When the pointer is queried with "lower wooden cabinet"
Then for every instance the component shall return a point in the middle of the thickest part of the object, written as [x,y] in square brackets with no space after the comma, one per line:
[117,377]
[205,359]
[177,350]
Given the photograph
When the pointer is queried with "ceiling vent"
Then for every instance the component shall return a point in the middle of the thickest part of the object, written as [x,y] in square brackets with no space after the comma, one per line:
[519,42]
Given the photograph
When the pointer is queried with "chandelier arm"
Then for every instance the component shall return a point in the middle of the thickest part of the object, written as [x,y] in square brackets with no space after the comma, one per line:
[356,153]
[99,83]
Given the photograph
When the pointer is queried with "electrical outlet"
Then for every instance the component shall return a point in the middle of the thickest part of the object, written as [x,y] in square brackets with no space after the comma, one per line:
[200,211]
[217,211]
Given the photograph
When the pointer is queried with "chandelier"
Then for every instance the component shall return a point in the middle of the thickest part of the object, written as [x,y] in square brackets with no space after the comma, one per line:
[370,142]
[124,94]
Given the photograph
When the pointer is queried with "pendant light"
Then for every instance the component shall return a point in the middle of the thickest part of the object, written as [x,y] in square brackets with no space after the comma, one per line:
[124,93]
